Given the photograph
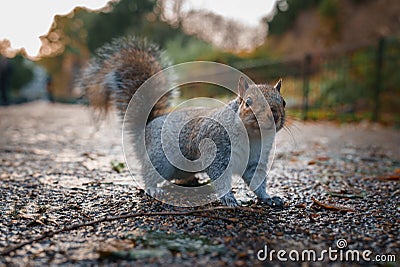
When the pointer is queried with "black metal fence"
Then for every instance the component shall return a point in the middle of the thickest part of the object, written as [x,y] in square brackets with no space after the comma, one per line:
[349,83]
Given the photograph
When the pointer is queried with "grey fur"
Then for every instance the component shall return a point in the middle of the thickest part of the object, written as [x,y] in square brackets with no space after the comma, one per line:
[113,76]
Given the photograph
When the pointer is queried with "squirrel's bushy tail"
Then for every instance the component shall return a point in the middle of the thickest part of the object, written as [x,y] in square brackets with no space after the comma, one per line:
[117,70]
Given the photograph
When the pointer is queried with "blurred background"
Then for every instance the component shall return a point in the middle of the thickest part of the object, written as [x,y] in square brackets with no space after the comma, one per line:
[339,59]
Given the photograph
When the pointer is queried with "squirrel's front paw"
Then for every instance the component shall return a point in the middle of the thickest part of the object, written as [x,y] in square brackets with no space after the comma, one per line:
[229,200]
[157,193]
[274,202]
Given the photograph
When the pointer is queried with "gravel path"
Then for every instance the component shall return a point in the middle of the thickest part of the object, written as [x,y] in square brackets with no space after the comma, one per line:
[340,182]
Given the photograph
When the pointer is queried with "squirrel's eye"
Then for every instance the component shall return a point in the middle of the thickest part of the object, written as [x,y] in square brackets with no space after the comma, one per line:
[249,102]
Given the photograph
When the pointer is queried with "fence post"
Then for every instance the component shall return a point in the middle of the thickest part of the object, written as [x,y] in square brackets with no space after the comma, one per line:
[378,80]
[306,84]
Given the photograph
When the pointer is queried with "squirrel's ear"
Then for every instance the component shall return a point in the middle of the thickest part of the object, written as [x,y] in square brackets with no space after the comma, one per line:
[278,85]
[242,87]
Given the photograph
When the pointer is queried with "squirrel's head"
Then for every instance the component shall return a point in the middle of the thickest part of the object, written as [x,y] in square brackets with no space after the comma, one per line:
[261,102]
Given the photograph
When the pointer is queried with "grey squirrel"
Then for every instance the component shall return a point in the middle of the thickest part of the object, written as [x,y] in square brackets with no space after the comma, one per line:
[121,67]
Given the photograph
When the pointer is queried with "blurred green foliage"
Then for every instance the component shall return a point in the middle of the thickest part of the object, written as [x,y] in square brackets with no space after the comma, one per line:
[126,17]
[21,73]
[286,12]
[328,8]
[351,79]
[74,37]
[340,89]
[183,49]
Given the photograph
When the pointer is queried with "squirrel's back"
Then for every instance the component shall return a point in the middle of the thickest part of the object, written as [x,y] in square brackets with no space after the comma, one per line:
[117,70]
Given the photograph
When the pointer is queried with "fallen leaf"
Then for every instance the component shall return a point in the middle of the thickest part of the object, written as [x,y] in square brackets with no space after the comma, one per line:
[390,177]
[242,255]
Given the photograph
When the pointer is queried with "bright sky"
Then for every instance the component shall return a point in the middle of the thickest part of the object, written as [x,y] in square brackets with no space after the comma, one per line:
[23,21]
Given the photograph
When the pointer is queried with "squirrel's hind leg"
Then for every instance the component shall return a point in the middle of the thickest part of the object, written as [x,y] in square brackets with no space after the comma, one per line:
[215,171]
[154,173]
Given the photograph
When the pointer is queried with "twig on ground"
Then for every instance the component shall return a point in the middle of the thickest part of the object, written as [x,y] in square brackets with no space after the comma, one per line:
[331,207]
